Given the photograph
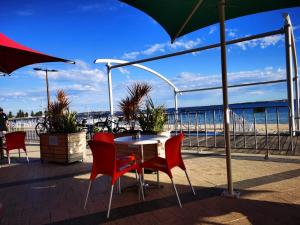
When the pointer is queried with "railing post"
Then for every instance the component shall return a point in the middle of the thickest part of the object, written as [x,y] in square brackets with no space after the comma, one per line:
[278,132]
[267,137]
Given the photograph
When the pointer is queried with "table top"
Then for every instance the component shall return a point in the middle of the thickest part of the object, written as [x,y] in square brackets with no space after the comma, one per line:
[143,140]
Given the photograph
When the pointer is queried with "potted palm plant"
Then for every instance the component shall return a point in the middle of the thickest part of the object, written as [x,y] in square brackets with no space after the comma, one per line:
[130,105]
[64,142]
[151,120]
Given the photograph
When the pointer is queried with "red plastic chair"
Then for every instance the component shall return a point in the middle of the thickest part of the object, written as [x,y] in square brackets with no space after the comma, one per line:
[173,159]
[105,137]
[105,162]
[109,137]
[15,140]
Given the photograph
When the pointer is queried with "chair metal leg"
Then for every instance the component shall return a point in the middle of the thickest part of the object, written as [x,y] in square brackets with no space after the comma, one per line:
[157,176]
[119,185]
[109,204]
[19,153]
[190,182]
[136,176]
[27,157]
[88,192]
[141,186]
[8,158]
[178,199]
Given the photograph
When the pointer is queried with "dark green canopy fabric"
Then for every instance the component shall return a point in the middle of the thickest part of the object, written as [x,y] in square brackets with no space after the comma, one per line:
[172,14]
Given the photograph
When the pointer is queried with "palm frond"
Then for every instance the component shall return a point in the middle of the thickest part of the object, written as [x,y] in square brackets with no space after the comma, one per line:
[130,105]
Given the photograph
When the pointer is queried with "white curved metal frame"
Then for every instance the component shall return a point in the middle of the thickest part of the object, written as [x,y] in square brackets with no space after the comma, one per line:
[117,61]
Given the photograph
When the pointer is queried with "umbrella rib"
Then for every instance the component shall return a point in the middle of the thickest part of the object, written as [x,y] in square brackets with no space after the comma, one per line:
[3,70]
[187,20]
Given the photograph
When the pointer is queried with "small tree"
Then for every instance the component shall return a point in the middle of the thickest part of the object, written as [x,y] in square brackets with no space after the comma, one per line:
[20,113]
[61,119]
[39,113]
[10,115]
[130,105]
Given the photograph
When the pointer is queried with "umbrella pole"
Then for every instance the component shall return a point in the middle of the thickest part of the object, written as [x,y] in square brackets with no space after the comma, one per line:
[225,99]
[48,94]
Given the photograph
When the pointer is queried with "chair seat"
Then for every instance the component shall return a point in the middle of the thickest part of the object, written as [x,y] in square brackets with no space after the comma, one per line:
[125,160]
[156,163]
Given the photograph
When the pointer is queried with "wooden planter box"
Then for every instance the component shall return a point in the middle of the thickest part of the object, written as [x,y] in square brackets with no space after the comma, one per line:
[63,148]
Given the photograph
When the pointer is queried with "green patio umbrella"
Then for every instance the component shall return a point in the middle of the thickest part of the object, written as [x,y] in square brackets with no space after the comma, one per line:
[179,17]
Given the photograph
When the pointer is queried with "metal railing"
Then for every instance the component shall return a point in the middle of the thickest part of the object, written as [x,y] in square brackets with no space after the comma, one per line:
[259,128]
[31,136]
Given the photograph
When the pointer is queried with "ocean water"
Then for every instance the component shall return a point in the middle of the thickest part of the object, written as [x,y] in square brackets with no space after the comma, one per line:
[269,111]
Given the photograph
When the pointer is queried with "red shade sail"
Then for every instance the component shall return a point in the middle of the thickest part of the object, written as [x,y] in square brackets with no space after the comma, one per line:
[14,56]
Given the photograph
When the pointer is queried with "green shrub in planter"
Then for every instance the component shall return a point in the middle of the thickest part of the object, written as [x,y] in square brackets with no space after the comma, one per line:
[152,119]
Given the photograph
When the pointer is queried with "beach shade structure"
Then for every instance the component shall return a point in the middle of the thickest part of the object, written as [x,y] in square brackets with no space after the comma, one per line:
[14,56]
[180,17]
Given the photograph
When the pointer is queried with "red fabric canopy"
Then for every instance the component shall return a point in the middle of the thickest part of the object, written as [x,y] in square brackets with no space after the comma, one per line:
[14,55]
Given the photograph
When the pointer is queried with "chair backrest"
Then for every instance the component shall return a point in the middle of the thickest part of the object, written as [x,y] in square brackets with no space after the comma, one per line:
[173,151]
[104,158]
[105,137]
[15,140]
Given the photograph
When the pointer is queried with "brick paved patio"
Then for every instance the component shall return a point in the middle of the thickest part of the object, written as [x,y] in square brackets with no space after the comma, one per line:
[54,194]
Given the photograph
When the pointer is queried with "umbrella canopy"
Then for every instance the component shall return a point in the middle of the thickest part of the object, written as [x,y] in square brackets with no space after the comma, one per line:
[14,56]
[179,17]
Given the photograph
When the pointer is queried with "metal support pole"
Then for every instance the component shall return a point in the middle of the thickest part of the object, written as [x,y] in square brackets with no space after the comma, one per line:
[267,155]
[225,98]
[254,127]
[205,129]
[176,109]
[111,105]
[295,64]
[48,94]
[197,130]
[215,135]
[290,92]
[278,131]
[244,124]
[189,127]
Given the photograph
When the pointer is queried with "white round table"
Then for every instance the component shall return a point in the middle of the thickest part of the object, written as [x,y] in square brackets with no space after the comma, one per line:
[143,140]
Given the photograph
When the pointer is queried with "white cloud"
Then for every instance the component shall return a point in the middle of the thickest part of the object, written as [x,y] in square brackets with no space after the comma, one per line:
[296,27]
[187,80]
[100,6]
[13,94]
[186,44]
[154,48]
[258,92]
[123,70]
[77,87]
[262,42]
[163,47]
[81,71]
[131,55]
[231,32]
[212,30]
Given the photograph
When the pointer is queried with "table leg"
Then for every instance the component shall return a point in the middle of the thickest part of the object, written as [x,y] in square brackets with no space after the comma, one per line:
[142,160]
[1,148]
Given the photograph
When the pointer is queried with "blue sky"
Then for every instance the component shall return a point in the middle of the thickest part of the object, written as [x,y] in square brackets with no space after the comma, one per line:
[86,30]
